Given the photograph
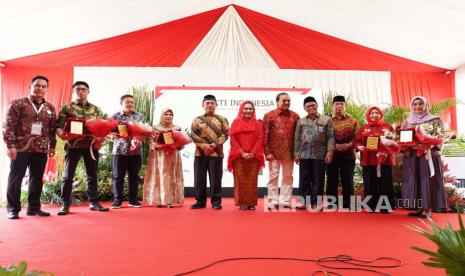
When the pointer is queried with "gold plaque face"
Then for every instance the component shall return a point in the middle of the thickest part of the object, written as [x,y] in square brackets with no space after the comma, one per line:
[406,136]
[168,138]
[76,127]
[122,130]
[372,142]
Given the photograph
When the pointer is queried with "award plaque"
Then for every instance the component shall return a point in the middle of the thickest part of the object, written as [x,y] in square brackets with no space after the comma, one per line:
[168,137]
[76,127]
[122,130]
[372,143]
[407,137]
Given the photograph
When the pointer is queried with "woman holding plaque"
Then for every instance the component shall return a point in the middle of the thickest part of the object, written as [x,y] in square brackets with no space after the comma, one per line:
[423,182]
[246,156]
[377,158]
[164,183]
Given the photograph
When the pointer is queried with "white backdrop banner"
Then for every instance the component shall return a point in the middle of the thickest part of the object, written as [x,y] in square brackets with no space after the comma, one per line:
[186,103]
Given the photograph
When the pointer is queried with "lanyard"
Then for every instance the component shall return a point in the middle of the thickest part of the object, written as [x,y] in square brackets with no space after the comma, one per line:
[34,106]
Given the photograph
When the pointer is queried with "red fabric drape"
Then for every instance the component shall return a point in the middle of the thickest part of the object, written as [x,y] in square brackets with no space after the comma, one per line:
[165,45]
[434,86]
[295,47]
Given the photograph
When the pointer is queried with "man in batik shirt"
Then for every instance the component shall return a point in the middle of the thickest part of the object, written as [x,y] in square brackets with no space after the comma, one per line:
[209,132]
[126,158]
[29,133]
[278,126]
[76,148]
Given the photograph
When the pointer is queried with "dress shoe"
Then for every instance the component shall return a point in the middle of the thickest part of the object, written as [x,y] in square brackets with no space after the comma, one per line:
[135,204]
[38,213]
[64,210]
[116,205]
[217,206]
[198,205]
[13,215]
[98,207]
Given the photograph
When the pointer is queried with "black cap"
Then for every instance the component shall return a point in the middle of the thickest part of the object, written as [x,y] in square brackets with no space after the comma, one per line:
[209,98]
[309,99]
[339,98]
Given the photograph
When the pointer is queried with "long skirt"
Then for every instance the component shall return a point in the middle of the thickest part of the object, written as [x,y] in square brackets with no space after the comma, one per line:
[381,189]
[164,182]
[419,190]
[245,173]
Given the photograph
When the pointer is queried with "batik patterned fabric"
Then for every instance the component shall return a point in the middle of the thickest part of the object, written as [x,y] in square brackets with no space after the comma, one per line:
[78,111]
[18,123]
[208,129]
[278,128]
[121,146]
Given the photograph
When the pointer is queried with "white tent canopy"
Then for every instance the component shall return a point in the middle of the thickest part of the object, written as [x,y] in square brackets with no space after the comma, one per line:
[428,31]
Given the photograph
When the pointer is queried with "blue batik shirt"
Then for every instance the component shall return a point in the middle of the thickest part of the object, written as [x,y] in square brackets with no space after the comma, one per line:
[121,146]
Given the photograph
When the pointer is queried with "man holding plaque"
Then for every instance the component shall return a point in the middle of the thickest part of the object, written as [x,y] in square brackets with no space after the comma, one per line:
[29,134]
[126,158]
[209,132]
[71,118]
[313,149]
[342,167]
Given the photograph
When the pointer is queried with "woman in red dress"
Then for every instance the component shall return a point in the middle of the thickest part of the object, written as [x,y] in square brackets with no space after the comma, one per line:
[246,157]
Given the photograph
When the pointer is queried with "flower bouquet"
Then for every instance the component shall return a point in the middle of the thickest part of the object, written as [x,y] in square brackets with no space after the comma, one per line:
[171,140]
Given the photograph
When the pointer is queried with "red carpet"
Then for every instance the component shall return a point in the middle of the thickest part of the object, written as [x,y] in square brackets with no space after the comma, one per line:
[153,241]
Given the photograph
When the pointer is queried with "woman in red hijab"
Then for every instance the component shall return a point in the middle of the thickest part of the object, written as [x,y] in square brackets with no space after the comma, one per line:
[377,163]
[246,156]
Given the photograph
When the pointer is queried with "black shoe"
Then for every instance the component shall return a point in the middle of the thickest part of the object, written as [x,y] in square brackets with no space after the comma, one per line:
[217,206]
[170,206]
[415,214]
[13,215]
[98,207]
[64,210]
[384,211]
[116,205]
[251,207]
[135,204]
[198,205]
[243,207]
[38,213]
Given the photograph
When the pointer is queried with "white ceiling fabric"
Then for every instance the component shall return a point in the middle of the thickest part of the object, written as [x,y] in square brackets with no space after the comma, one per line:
[230,44]
[428,31]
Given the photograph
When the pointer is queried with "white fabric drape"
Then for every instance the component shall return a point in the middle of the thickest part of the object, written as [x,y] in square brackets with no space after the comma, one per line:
[230,44]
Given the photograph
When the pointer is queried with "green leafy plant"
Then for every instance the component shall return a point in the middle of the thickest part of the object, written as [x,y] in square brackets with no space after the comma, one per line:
[144,103]
[354,108]
[21,270]
[450,254]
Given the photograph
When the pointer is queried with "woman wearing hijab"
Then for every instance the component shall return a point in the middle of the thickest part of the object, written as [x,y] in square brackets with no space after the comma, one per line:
[164,183]
[420,190]
[377,165]
[246,156]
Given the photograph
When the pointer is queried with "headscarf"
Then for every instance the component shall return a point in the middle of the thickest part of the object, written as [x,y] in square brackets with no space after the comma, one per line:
[374,122]
[162,121]
[241,125]
[416,119]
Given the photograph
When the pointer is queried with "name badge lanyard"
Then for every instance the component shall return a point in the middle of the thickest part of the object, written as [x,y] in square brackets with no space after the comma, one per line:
[35,108]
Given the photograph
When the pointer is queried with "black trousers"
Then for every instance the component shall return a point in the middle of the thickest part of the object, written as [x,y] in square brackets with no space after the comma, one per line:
[311,179]
[378,186]
[341,169]
[214,167]
[72,158]
[122,164]
[36,163]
